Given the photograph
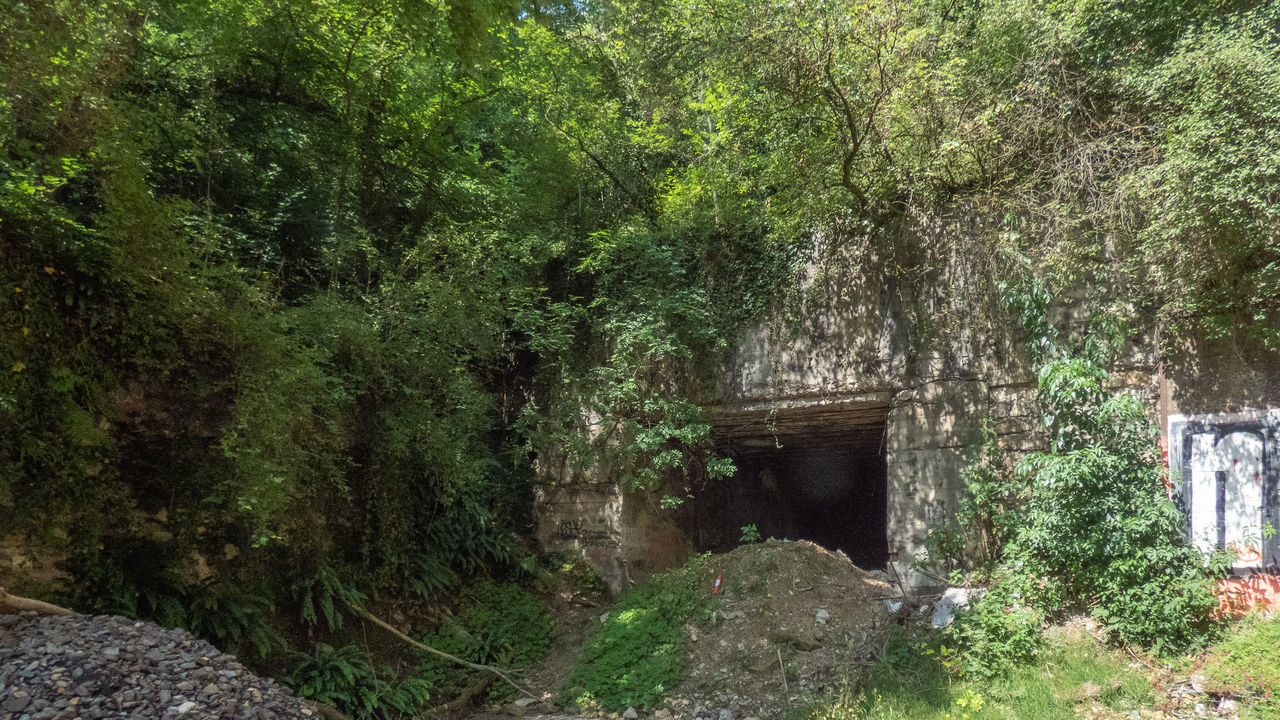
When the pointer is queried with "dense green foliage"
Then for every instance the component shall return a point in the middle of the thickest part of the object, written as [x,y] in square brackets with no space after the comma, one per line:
[1086,523]
[347,679]
[296,295]
[494,624]
[636,658]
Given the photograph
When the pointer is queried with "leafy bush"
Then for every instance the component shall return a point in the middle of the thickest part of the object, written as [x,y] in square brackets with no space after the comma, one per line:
[346,679]
[638,654]
[1003,628]
[494,624]
[1098,518]
[1091,513]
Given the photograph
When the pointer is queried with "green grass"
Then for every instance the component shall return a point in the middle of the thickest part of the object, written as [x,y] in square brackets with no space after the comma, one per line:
[912,684]
[1246,666]
[638,655]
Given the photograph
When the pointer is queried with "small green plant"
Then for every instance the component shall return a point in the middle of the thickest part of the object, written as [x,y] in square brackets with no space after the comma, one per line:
[944,552]
[1003,628]
[638,654]
[346,679]
[229,617]
[750,535]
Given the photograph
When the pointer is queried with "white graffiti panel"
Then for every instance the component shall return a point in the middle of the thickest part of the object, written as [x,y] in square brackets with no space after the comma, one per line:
[1204,493]
[1227,496]
[1243,496]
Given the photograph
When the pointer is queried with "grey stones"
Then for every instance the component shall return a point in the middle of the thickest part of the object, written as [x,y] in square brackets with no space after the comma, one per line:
[16,703]
[60,668]
[630,714]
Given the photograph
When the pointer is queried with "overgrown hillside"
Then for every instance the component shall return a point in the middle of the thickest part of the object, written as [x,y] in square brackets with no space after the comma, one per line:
[297,294]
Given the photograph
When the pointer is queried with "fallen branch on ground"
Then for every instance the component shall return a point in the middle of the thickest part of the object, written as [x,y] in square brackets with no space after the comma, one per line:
[464,698]
[19,604]
[440,653]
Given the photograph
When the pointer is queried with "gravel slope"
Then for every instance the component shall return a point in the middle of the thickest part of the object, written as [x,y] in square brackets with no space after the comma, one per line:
[83,666]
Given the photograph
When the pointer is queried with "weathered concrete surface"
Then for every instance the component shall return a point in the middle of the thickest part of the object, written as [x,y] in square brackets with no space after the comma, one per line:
[584,520]
[926,353]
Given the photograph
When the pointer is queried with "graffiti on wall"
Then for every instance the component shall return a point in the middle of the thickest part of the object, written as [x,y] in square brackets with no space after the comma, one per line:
[1225,474]
[579,532]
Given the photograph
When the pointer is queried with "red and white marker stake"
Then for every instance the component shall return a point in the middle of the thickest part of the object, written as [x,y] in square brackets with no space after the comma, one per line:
[716,588]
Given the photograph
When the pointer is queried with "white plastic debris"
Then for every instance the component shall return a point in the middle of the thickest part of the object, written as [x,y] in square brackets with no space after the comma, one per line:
[953,599]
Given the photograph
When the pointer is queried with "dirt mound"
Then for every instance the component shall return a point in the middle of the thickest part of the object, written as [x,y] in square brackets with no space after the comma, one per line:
[788,616]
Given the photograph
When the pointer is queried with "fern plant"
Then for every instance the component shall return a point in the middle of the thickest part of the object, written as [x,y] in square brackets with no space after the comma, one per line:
[323,595]
[494,624]
[346,679]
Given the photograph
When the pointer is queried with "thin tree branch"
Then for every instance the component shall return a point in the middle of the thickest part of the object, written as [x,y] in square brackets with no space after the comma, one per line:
[474,666]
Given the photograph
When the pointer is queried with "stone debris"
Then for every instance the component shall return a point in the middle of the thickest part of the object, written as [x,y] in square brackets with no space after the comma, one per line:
[89,667]
[787,616]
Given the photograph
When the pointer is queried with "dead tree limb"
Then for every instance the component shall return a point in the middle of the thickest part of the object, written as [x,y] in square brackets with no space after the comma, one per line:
[464,698]
[19,604]
[440,653]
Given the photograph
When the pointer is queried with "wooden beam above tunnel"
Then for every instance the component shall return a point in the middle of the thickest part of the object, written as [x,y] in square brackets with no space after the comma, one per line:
[855,422]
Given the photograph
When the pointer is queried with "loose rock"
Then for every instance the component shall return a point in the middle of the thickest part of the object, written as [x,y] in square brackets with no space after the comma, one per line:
[95,667]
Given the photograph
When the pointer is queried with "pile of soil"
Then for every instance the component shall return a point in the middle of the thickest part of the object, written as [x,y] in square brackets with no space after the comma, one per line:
[84,666]
[790,618]
[793,602]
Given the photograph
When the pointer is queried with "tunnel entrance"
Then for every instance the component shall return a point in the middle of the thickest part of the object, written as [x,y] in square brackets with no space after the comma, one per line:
[826,482]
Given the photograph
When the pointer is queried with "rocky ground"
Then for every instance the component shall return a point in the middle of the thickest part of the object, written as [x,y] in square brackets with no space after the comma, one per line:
[790,619]
[82,666]
[789,616]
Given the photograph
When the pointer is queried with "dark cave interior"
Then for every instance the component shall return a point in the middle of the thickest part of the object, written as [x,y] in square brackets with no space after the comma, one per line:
[830,489]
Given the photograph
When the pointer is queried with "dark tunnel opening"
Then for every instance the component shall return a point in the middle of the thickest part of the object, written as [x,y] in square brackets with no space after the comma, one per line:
[831,490]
